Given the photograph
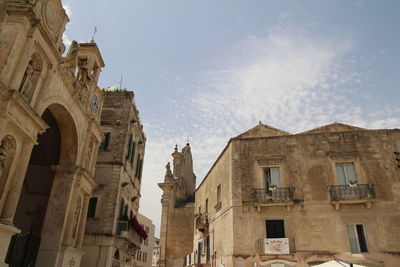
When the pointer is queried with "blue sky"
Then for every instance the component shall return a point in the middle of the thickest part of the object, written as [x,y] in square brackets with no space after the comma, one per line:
[209,70]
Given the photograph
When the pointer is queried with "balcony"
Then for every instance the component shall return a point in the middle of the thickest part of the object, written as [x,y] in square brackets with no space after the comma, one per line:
[125,230]
[279,196]
[201,221]
[352,194]
[276,246]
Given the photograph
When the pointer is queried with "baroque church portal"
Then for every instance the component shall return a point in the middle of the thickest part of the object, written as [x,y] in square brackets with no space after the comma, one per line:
[50,108]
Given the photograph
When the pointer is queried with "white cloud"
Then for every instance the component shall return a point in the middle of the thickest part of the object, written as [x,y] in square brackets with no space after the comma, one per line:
[67,8]
[289,79]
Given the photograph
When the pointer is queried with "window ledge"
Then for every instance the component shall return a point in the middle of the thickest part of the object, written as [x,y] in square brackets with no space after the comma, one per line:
[288,205]
[367,202]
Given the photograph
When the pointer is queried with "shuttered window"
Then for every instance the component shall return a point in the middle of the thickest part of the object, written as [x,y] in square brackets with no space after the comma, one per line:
[357,240]
[345,173]
[272,177]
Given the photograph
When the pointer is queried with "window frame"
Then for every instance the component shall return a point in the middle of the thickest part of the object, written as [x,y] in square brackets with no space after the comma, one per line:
[264,176]
[357,238]
[346,178]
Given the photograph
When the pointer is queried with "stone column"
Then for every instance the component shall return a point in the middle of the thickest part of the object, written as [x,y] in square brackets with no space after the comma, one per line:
[166,201]
[54,224]
[82,222]
[16,181]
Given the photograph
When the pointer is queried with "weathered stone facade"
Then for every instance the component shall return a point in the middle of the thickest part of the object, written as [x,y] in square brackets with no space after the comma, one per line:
[110,239]
[144,255]
[49,134]
[289,189]
[176,233]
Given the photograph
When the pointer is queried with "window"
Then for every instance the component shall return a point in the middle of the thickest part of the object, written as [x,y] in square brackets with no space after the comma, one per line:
[345,173]
[271,177]
[92,207]
[129,147]
[206,208]
[275,229]
[132,155]
[139,163]
[106,141]
[358,242]
[208,252]
[219,200]
[219,193]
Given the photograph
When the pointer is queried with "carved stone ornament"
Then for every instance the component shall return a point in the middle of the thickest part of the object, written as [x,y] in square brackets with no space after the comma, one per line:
[94,104]
[5,146]
[83,81]
[52,13]
[31,75]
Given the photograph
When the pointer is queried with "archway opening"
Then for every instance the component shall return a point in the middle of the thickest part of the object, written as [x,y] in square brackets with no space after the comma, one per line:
[35,193]
[39,178]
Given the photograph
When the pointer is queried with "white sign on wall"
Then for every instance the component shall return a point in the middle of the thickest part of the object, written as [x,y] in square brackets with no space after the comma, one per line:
[276,245]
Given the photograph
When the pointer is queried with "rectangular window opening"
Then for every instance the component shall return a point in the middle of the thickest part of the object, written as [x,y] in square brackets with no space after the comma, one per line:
[92,207]
[275,228]
[358,242]
[345,173]
[272,177]
[105,142]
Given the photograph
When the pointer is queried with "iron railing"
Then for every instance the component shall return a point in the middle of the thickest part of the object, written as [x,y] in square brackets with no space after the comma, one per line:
[277,195]
[349,192]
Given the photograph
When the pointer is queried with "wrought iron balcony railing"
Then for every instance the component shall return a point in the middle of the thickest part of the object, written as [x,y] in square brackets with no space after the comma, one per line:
[277,195]
[352,192]
[201,221]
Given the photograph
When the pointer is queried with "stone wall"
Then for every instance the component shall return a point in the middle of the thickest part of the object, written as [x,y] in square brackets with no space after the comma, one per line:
[315,226]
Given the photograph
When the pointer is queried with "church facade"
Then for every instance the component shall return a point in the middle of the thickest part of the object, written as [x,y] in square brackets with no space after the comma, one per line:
[176,233]
[50,108]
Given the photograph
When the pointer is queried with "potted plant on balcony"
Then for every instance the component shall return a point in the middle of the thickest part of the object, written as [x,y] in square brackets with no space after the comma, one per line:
[353,183]
[272,187]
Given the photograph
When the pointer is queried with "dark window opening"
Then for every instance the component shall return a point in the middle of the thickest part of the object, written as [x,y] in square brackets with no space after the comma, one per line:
[92,207]
[106,141]
[275,229]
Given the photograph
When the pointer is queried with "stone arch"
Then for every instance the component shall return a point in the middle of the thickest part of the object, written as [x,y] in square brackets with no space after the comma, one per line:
[31,77]
[68,133]
[7,153]
[58,145]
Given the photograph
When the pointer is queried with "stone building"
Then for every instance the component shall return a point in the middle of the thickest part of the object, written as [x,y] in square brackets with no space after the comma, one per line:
[113,234]
[176,233]
[156,252]
[144,254]
[49,135]
[278,199]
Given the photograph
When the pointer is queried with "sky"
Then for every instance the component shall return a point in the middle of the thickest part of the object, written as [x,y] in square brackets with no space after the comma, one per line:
[206,71]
